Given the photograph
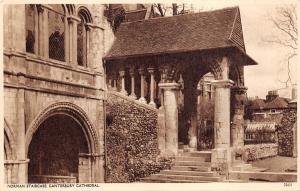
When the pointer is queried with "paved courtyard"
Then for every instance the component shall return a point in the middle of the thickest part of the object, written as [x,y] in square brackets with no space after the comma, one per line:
[277,164]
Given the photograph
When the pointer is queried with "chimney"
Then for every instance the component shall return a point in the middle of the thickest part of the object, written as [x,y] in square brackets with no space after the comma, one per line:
[271,95]
[294,92]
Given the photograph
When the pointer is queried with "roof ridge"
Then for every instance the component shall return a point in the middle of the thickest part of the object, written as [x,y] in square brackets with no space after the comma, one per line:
[182,15]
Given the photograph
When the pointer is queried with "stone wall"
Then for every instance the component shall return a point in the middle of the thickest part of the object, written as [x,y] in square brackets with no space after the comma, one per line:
[131,140]
[258,151]
[285,132]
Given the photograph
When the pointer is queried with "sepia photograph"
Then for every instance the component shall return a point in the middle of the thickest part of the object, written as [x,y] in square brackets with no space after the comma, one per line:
[199,92]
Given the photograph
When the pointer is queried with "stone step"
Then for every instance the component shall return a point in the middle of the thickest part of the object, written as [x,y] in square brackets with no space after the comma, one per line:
[242,167]
[205,154]
[192,163]
[235,181]
[257,169]
[189,173]
[153,180]
[184,177]
[192,168]
[186,158]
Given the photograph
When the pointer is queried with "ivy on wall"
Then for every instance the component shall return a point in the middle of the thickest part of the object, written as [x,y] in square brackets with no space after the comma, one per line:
[131,141]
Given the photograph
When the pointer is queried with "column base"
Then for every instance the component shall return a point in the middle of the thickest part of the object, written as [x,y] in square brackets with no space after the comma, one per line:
[124,92]
[133,96]
[143,100]
[220,161]
[152,103]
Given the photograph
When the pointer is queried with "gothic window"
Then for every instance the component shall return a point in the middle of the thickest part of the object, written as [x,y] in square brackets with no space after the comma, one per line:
[30,28]
[81,43]
[57,32]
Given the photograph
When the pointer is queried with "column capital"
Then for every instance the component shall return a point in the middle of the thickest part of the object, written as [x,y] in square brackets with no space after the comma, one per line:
[122,73]
[151,70]
[141,71]
[88,26]
[223,83]
[169,86]
[131,71]
[74,19]
[239,89]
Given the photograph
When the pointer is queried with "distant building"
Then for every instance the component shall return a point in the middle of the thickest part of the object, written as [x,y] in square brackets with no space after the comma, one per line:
[206,88]
[269,109]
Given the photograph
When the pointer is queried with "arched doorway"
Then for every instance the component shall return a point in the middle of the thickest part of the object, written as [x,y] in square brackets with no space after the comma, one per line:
[55,148]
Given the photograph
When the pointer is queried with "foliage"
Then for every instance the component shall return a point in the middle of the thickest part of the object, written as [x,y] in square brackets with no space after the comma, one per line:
[132,145]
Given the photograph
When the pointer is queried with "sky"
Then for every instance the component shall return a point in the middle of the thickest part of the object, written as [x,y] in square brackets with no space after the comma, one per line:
[271,66]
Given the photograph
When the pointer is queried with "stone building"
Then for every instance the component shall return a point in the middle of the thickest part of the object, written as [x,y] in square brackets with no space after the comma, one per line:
[62,62]
[54,92]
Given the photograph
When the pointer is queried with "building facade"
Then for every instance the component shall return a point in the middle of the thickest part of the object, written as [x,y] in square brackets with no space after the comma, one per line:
[54,92]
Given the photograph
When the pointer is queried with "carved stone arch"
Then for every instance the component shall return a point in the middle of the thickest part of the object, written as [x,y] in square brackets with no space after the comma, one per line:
[236,74]
[70,110]
[9,142]
[85,14]
[71,9]
[213,63]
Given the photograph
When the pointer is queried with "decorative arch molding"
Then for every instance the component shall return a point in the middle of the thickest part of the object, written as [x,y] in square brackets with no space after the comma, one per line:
[9,142]
[71,9]
[85,13]
[70,110]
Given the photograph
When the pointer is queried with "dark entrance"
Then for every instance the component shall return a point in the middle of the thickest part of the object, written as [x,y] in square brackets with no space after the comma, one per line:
[54,150]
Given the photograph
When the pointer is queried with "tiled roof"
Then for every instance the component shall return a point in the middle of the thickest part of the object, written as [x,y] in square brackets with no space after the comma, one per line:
[135,15]
[183,33]
[277,103]
[258,104]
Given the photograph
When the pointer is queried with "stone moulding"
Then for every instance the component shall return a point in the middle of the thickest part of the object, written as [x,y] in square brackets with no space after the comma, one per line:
[73,111]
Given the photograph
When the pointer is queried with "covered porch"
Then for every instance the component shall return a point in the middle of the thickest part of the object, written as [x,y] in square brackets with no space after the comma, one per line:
[157,61]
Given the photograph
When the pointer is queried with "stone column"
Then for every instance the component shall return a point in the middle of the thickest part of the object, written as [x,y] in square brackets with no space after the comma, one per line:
[21,138]
[122,75]
[221,155]
[132,72]
[238,104]
[142,98]
[73,41]
[222,113]
[171,117]
[152,81]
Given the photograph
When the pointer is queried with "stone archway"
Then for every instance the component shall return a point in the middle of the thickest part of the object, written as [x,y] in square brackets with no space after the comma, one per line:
[62,146]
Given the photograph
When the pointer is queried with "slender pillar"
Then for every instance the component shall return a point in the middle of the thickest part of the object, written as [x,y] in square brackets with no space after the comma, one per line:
[152,81]
[132,72]
[71,39]
[41,34]
[46,33]
[171,117]
[122,75]
[109,87]
[114,81]
[161,92]
[142,98]
[237,128]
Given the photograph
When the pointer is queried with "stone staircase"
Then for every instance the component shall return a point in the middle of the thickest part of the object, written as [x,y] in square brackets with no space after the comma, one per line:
[189,167]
